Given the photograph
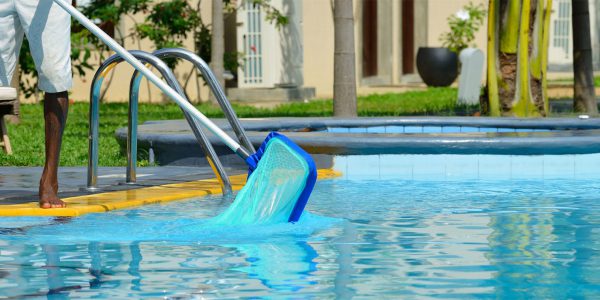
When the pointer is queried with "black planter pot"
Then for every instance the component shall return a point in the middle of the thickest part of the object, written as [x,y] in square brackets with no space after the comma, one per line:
[437,66]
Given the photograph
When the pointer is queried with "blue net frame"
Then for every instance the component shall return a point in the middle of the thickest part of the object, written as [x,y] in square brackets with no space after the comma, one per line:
[253,161]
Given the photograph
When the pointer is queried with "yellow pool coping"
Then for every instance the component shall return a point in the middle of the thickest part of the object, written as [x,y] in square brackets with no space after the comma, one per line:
[103,202]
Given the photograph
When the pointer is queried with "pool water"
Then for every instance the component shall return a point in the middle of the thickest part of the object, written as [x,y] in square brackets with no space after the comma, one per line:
[362,238]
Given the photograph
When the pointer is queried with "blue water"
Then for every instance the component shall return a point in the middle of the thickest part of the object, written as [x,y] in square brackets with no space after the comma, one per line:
[381,239]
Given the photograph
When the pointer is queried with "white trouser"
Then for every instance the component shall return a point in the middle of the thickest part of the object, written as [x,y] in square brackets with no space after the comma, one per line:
[48,30]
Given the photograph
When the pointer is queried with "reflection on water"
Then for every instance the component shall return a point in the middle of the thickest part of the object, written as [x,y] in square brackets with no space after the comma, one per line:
[154,269]
[549,251]
[500,239]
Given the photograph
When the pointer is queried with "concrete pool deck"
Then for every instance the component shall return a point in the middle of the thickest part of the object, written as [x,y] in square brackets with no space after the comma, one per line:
[18,188]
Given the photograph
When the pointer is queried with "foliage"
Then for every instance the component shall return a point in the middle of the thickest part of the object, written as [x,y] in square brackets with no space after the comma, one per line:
[463,26]
[167,24]
[28,75]
[232,61]
[272,15]
[569,81]
[28,137]
[202,41]
[105,13]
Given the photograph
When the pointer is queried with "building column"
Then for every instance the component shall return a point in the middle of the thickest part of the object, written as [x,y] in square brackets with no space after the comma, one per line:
[396,42]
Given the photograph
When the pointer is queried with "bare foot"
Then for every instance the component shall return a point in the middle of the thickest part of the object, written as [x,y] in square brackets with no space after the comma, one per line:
[49,198]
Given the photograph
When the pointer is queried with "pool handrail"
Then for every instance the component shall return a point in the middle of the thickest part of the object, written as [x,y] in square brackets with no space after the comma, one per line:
[215,87]
[166,72]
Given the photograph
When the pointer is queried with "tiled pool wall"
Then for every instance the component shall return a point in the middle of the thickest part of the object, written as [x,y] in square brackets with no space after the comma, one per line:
[428,129]
[468,167]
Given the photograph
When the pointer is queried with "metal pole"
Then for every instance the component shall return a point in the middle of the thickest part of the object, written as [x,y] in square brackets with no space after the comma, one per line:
[93,135]
[132,122]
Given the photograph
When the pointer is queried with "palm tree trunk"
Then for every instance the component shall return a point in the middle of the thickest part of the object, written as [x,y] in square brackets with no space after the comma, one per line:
[344,76]
[584,95]
[518,34]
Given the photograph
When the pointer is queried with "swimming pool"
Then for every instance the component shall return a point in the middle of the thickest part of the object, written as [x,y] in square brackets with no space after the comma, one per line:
[368,236]
[172,142]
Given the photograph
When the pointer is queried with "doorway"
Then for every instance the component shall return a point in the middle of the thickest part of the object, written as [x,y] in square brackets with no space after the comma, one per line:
[408,36]
[369,38]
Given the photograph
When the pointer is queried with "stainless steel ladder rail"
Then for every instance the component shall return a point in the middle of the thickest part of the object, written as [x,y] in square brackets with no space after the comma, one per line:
[210,153]
[101,73]
[215,87]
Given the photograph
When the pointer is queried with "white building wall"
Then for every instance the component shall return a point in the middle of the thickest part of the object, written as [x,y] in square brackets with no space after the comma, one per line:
[273,56]
[318,46]
[560,50]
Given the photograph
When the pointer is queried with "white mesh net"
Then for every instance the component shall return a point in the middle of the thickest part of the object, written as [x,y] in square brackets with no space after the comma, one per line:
[272,190]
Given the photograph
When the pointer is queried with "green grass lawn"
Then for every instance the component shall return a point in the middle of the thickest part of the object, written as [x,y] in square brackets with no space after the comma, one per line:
[27,138]
[570,81]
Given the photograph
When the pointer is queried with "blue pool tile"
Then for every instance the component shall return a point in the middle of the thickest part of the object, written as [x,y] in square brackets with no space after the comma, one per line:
[429,167]
[462,167]
[587,166]
[340,164]
[363,167]
[451,129]
[488,129]
[394,129]
[493,166]
[432,129]
[527,166]
[469,129]
[559,166]
[337,129]
[357,129]
[376,129]
[413,129]
[468,167]
[506,130]
[394,166]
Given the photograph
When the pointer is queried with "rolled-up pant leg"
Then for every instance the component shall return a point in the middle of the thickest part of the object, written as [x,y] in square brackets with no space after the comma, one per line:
[11,37]
[48,30]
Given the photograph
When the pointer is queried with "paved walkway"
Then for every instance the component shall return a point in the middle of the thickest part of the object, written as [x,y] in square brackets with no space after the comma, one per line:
[20,184]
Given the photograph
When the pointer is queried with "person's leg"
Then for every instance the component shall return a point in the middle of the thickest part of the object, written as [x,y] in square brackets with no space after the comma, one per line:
[48,31]
[56,108]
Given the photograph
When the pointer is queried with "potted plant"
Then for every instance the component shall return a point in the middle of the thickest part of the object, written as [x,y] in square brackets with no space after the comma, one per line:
[438,66]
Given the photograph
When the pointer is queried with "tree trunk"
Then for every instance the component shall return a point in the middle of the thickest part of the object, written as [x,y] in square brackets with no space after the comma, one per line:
[344,78]
[217,43]
[584,95]
[518,34]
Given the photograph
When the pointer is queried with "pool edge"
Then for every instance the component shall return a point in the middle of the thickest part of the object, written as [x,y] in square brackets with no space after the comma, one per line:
[104,202]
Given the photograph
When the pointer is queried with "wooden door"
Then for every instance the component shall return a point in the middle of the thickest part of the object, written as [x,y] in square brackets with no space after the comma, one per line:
[369,38]
[408,36]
